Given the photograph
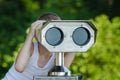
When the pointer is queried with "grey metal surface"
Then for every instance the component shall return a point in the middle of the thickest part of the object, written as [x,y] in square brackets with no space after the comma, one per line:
[57,78]
[59,68]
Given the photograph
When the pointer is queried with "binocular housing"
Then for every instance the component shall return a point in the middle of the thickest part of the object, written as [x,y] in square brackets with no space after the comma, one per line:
[68,35]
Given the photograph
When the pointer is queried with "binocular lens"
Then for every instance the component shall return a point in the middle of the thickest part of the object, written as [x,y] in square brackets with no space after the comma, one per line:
[54,36]
[81,36]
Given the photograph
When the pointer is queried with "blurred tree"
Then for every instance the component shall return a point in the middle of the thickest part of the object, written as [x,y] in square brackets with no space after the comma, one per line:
[102,61]
[108,7]
[17,15]
[82,9]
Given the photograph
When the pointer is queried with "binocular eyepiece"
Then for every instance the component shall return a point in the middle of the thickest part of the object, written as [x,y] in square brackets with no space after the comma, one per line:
[80,36]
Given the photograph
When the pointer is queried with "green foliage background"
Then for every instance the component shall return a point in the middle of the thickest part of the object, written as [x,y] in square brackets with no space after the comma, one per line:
[101,62]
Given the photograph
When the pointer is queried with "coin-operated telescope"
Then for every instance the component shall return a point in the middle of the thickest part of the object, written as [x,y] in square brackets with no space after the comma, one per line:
[60,36]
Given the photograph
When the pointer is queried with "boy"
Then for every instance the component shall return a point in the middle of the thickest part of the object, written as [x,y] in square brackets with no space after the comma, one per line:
[34,58]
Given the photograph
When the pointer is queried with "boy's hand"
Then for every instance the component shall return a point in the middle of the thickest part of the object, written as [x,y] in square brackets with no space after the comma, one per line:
[38,28]
[34,27]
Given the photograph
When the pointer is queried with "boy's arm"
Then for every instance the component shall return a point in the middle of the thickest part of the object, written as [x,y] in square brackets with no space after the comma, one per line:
[69,57]
[24,54]
[27,49]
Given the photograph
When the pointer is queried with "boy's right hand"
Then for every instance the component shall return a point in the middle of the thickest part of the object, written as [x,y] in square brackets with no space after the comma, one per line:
[34,27]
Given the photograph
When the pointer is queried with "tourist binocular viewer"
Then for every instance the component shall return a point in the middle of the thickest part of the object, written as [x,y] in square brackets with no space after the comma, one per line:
[68,35]
[60,36]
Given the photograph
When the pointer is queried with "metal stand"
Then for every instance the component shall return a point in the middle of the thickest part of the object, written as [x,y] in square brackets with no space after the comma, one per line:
[58,71]
[67,35]
[59,68]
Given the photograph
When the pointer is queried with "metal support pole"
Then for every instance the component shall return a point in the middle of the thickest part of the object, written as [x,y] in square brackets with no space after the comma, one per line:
[59,68]
[59,61]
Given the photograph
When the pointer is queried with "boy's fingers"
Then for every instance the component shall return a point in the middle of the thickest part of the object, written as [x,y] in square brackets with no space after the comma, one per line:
[40,24]
[35,24]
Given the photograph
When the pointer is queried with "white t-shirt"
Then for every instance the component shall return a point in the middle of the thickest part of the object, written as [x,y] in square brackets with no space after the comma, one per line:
[32,68]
